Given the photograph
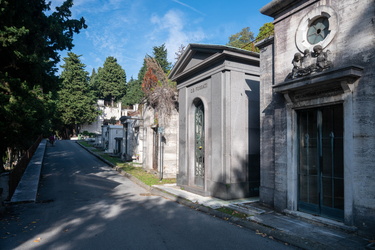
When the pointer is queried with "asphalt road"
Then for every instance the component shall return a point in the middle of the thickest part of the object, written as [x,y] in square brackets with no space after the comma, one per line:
[84,204]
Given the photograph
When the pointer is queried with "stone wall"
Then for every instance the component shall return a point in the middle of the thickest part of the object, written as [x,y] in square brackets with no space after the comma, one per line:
[169,143]
[351,43]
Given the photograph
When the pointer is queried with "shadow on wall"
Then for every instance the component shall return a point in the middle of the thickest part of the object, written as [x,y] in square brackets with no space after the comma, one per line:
[243,179]
[243,182]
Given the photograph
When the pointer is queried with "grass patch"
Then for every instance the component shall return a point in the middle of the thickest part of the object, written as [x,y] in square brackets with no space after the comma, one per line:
[114,160]
[130,168]
[86,144]
[233,212]
[89,145]
[144,176]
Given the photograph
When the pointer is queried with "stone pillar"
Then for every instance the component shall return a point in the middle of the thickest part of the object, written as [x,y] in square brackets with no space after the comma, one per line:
[182,178]
[267,123]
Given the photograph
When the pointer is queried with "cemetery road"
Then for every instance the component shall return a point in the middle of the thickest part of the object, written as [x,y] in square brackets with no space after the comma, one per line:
[84,204]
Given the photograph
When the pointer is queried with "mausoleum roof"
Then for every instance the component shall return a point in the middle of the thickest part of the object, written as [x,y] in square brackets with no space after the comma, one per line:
[276,7]
[197,56]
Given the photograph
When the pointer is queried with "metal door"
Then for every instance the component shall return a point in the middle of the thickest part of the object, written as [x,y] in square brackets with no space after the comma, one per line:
[199,145]
[321,161]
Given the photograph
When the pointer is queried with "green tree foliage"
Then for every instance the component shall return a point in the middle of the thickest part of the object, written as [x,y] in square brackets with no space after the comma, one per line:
[160,55]
[111,80]
[134,88]
[94,82]
[134,93]
[77,103]
[142,71]
[245,38]
[29,44]
[265,31]
[241,39]
[93,78]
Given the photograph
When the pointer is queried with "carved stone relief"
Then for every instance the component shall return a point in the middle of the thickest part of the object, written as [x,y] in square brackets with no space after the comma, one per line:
[310,62]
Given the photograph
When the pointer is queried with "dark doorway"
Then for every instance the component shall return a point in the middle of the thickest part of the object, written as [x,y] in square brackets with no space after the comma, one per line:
[199,144]
[321,161]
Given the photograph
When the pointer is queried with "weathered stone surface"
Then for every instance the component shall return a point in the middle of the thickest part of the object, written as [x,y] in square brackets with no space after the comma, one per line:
[170,143]
[351,43]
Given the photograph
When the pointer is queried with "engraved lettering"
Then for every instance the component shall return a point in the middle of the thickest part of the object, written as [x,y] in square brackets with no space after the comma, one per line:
[200,87]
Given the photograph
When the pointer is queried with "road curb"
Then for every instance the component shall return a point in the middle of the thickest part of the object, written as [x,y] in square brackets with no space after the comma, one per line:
[119,170]
[27,189]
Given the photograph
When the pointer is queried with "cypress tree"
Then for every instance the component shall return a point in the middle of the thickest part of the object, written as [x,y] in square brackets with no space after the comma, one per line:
[77,102]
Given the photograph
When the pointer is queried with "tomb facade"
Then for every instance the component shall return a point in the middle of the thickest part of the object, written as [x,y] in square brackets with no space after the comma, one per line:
[218,89]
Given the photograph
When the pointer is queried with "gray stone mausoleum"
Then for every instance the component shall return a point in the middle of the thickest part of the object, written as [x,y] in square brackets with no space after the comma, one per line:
[218,121]
[317,111]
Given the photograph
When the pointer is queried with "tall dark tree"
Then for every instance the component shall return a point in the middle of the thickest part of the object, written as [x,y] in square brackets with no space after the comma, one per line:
[77,102]
[160,55]
[134,93]
[143,70]
[111,80]
[29,44]
[94,82]
[93,77]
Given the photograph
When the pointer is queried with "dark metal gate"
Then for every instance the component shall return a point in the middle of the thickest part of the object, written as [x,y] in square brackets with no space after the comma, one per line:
[199,145]
[321,161]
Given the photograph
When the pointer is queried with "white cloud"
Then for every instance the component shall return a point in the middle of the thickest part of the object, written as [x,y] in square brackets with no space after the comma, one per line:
[128,30]
[174,25]
[102,40]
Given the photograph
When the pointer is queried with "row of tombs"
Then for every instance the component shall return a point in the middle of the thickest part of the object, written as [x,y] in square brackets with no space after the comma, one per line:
[293,124]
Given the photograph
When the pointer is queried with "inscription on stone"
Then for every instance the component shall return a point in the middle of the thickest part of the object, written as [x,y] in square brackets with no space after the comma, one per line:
[198,87]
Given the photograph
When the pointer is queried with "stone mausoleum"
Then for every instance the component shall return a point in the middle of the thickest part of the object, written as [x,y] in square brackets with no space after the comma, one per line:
[317,111]
[218,89]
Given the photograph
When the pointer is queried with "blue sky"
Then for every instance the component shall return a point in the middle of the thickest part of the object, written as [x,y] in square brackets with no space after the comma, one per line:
[129,29]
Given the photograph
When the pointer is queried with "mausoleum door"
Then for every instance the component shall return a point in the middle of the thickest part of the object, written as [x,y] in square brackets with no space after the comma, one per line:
[199,167]
[321,165]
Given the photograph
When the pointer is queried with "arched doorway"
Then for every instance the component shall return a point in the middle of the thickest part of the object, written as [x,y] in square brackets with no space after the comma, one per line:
[199,144]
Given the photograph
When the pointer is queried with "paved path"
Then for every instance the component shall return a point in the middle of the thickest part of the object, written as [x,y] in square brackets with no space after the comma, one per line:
[84,204]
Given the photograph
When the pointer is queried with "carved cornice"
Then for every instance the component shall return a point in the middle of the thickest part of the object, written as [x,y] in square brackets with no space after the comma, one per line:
[326,83]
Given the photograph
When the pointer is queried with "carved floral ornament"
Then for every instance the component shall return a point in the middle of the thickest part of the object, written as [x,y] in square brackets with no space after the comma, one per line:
[314,33]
